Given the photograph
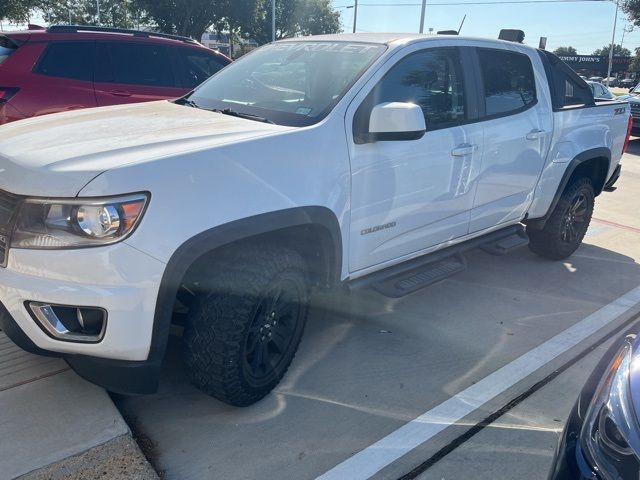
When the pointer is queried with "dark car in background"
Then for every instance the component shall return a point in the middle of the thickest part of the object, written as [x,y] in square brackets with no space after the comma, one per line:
[65,68]
[601,439]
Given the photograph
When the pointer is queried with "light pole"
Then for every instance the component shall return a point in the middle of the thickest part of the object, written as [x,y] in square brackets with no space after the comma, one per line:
[422,12]
[626,29]
[98,11]
[273,20]
[355,15]
[613,40]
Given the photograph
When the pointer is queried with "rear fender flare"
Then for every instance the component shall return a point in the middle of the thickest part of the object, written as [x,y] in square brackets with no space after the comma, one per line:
[601,152]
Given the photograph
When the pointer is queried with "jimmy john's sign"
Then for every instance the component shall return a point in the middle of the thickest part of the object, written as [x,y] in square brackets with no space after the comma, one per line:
[596,64]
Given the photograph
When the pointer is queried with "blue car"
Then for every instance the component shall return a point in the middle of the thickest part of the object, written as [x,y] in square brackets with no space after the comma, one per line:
[601,439]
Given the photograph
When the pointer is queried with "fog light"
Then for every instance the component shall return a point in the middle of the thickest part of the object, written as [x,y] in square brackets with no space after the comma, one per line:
[69,323]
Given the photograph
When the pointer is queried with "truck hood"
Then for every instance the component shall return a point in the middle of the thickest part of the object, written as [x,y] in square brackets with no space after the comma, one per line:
[57,155]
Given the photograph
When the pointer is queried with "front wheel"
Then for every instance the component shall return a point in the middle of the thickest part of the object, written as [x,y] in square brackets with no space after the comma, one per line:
[241,336]
[568,223]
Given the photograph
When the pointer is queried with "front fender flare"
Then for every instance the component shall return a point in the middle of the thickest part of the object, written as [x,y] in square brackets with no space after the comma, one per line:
[216,237]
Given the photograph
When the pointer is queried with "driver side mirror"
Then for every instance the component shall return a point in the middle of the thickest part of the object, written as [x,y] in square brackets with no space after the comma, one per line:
[396,121]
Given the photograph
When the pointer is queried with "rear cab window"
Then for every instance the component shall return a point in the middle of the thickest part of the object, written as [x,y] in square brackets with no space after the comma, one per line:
[72,60]
[567,88]
[508,82]
[134,64]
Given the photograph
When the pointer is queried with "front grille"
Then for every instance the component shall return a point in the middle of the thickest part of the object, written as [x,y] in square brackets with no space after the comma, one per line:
[635,110]
[8,206]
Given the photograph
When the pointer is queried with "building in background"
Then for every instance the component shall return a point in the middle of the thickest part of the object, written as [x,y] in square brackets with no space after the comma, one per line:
[596,66]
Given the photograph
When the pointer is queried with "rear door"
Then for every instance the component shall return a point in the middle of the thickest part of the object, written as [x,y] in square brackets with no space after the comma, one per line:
[517,123]
[62,79]
[134,72]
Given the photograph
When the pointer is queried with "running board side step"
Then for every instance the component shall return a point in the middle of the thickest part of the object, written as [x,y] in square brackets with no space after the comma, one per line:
[405,283]
[412,275]
[507,244]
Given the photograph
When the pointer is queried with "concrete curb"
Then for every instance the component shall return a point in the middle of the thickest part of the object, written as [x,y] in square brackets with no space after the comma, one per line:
[49,414]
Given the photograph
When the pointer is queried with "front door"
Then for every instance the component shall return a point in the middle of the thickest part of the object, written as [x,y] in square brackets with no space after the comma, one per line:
[409,195]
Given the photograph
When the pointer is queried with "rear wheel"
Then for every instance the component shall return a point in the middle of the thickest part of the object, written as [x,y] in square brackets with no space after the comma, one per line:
[567,225]
[241,336]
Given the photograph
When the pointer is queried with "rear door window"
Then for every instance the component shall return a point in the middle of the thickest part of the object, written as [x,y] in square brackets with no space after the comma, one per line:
[134,64]
[198,65]
[72,60]
[509,84]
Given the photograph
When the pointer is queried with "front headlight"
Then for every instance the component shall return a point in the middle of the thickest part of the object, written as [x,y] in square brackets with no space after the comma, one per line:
[70,223]
[609,435]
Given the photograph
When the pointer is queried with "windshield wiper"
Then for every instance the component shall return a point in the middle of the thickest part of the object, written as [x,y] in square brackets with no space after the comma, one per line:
[186,101]
[250,116]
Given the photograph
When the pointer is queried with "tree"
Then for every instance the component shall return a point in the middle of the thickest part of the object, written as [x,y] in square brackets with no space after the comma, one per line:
[193,17]
[565,51]
[17,10]
[632,9]
[296,18]
[617,50]
[113,13]
[243,18]
[635,63]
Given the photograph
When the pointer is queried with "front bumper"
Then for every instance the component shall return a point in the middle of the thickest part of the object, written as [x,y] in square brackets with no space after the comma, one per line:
[118,376]
[569,462]
[117,278]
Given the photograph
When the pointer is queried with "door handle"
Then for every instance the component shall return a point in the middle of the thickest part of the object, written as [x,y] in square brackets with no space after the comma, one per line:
[464,149]
[535,134]
[120,93]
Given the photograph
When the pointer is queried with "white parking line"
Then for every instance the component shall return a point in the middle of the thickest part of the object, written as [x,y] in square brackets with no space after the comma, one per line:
[385,451]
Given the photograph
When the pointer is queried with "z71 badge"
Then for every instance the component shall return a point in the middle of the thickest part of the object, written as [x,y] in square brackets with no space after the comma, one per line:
[619,110]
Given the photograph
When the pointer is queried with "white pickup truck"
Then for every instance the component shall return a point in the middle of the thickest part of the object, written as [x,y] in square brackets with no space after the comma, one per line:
[354,160]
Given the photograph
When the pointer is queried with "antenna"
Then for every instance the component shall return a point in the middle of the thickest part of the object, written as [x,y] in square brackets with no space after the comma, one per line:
[462,23]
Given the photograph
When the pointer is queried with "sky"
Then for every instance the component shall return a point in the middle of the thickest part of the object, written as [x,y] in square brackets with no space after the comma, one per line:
[585,25]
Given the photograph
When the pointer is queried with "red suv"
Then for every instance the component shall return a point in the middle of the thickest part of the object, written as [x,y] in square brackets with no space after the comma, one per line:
[69,67]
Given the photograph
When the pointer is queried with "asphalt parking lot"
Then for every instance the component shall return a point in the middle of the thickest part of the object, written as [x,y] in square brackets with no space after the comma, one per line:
[373,389]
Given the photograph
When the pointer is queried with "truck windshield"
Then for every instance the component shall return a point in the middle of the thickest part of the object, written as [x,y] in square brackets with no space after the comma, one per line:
[288,83]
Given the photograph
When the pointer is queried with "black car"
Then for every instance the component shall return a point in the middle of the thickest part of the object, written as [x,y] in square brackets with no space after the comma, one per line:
[627,83]
[601,439]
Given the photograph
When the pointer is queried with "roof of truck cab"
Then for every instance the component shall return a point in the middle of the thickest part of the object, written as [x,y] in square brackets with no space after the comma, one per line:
[386,38]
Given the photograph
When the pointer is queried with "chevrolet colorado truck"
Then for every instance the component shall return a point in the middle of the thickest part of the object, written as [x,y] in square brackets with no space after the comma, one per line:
[346,160]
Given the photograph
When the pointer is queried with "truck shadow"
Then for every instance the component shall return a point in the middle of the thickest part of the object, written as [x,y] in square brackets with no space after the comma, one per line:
[368,363]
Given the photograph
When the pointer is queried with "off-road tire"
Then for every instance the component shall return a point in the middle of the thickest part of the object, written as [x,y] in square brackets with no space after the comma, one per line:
[228,315]
[554,241]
